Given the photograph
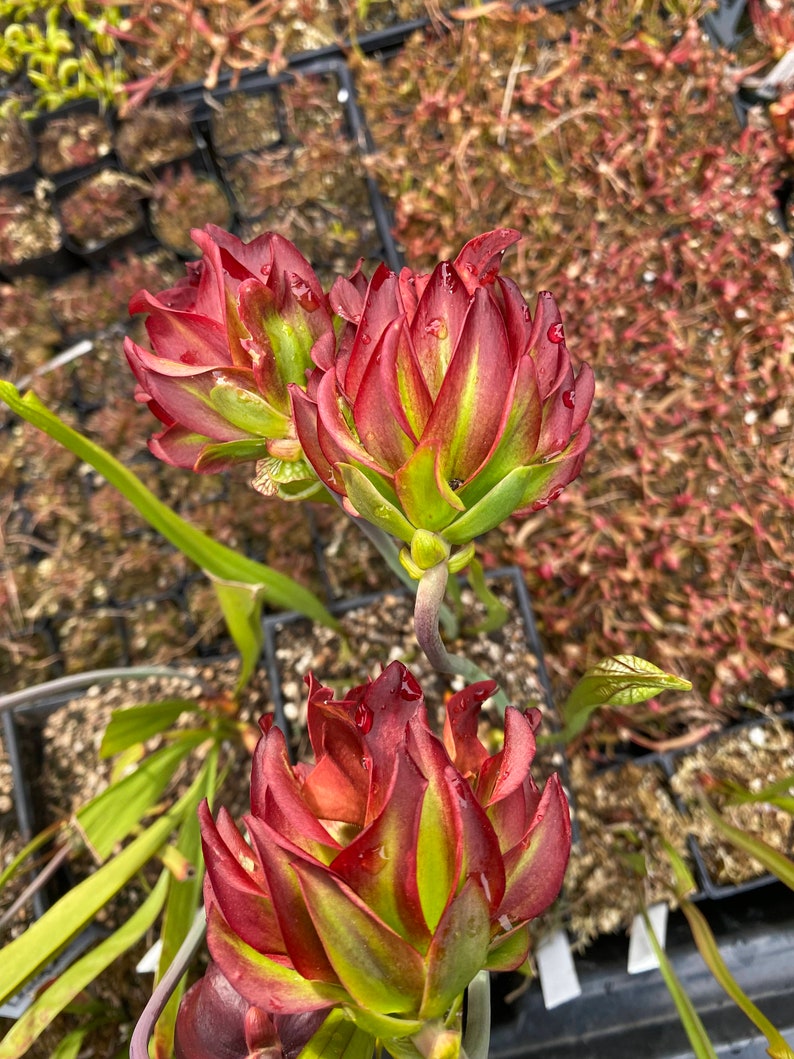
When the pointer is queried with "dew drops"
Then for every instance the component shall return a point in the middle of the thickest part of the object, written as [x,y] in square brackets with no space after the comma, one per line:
[365,764]
[556,333]
[449,280]
[527,314]
[409,688]
[553,495]
[569,398]
[265,270]
[470,268]
[365,339]
[437,328]
[486,889]
[364,718]
[307,299]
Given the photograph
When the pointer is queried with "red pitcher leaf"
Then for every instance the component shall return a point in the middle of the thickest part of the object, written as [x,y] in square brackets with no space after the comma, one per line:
[256,977]
[535,867]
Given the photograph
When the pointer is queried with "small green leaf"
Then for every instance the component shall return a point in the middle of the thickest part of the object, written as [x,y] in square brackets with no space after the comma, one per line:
[70,983]
[339,1038]
[774,794]
[623,680]
[135,724]
[372,505]
[242,608]
[107,819]
[69,1046]
[384,1027]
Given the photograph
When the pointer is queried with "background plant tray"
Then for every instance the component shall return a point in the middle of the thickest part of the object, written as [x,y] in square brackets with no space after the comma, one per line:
[315,118]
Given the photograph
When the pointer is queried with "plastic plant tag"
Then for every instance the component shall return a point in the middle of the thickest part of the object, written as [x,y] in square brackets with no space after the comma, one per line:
[18,1004]
[559,981]
[780,74]
[641,954]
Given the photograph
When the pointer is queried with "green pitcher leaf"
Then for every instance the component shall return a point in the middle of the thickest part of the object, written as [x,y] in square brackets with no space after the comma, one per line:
[30,952]
[70,983]
[622,680]
[214,558]
[690,1020]
[707,946]
[135,724]
[339,1038]
[107,819]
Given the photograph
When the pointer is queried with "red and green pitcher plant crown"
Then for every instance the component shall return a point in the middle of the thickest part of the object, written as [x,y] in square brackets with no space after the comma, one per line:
[385,875]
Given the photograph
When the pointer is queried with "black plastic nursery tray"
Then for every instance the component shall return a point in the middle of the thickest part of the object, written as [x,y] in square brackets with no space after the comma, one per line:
[621,1016]
[294,163]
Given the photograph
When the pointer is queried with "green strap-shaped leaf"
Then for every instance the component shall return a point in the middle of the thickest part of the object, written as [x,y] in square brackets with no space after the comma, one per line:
[35,844]
[623,680]
[690,1020]
[70,983]
[214,558]
[709,950]
[775,793]
[772,859]
[26,955]
[69,1047]
[184,898]
[339,1038]
[135,724]
[107,819]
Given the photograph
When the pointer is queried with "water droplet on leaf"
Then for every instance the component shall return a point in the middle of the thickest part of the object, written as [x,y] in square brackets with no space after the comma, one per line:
[437,328]
[556,333]
[569,398]
[363,718]
[449,279]
[307,299]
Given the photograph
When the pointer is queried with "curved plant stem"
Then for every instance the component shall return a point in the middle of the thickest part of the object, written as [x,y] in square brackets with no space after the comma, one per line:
[77,681]
[429,598]
[144,1028]
[390,554]
[477,1035]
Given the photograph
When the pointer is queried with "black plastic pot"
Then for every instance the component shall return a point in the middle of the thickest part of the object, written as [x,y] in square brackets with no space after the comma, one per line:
[165,115]
[55,131]
[17,153]
[49,256]
[96,245]
[184,196]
